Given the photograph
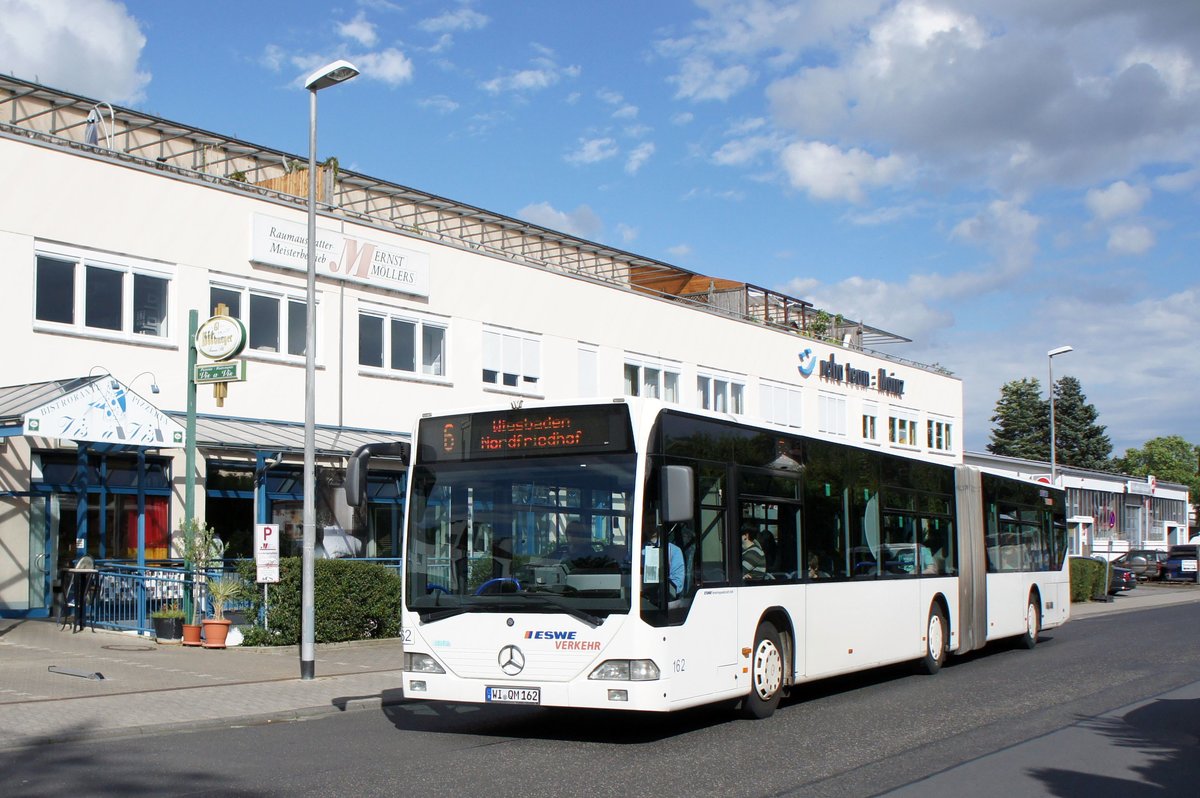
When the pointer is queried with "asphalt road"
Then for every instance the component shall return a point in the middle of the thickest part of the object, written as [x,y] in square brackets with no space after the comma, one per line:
[853,736]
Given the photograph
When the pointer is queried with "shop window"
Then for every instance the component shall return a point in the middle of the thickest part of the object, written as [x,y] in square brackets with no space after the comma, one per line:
[102,295]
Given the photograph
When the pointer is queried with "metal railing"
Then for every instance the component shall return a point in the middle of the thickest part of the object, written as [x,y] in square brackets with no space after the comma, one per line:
[127,594]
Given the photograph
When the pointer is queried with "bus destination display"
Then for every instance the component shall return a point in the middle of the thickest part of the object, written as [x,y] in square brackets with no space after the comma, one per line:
[525,433]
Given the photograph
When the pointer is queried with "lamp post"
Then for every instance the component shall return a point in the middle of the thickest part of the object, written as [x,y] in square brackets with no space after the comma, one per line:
[1061,350]
[323,78]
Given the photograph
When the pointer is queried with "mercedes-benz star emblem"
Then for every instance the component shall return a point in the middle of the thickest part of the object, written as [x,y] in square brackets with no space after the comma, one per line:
[511,660]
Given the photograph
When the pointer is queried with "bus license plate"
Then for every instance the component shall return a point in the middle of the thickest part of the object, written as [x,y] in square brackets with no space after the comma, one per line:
[513,695]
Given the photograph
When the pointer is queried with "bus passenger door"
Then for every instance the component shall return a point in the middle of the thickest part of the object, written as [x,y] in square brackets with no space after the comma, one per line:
[704,648]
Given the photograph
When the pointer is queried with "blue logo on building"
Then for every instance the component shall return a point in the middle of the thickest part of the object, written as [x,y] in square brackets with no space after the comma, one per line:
[808,362]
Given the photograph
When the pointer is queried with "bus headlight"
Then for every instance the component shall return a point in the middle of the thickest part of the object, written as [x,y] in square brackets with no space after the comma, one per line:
[421,663]
[625,670]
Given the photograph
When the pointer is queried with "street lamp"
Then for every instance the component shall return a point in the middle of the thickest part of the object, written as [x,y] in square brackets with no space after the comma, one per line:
[323,78]
[1062,350]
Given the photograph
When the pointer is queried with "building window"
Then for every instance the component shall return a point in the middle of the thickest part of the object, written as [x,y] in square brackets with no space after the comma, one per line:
[408,344]
[512,360]
[869,420]
[902,431]
[105,295]
[831,413]
[275,321]
[939,435]
[782,405]
[721,394]
[652,379]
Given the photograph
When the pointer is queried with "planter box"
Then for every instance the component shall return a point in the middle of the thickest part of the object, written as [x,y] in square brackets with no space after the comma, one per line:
[168,630]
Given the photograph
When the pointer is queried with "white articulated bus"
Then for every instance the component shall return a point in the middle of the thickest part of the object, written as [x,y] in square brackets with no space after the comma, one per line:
[633,555]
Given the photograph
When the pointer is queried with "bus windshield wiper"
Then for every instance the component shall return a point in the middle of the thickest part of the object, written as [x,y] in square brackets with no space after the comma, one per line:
[574,612]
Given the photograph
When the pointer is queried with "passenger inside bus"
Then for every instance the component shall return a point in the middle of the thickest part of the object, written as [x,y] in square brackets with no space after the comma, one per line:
[674,558]
[754,561]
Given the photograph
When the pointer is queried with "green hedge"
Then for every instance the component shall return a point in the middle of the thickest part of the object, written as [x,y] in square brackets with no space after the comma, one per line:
[1087,580]
[352,600]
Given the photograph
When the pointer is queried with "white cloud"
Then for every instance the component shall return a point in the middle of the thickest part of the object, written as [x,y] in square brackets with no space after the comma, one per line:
[1130,239]
[593,151]
[700,79]
[684,118]
[1119,199]
[745,150]
[628,234]
[360,30]
[1179,181]
[463,19]
[88,47]
[582,222]
[626,112]
[829,173]
[638,157]
[543,75]
[440,103]
[679,251]
[389,66]
[273,57]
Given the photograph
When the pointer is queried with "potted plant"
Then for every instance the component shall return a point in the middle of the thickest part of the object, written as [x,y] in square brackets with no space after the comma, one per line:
[220,591]
[168,624]
[198,540]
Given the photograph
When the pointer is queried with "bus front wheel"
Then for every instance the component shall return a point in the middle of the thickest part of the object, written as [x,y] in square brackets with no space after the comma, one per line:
[766,673]
[936,641]
[1033,623]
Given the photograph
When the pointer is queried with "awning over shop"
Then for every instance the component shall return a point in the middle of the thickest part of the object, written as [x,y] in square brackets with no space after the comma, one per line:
[100,409]
[257,435]
[94,409]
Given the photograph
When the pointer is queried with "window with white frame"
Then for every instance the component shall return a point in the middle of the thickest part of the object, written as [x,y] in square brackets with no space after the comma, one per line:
[512,359]
[654,379]
[401,342]
[940,435]
[275,319]
[831,413]
[782,405]
[870,418]
[902,430]
[100,294]
[720,393]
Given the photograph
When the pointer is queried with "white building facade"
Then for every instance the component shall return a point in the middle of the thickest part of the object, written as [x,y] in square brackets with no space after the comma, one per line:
[422,304]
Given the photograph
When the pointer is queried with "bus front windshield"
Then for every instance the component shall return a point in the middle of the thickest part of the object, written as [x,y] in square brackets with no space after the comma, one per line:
[547,534]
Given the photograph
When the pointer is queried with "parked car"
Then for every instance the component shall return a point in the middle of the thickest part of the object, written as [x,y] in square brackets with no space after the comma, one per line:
[1145,563]
[1181,563]
[1120,579]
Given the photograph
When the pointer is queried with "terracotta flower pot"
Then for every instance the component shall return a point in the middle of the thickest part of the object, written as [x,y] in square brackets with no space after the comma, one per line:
[191,634]
[215,632]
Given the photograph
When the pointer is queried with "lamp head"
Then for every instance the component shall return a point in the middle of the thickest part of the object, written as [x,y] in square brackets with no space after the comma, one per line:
[329,75]
[1062,350]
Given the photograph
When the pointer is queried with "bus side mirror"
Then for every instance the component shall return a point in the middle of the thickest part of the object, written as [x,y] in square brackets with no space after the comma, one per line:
[677,497]
[356,470]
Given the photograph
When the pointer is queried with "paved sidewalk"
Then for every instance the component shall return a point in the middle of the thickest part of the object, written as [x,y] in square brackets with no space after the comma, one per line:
[148,688]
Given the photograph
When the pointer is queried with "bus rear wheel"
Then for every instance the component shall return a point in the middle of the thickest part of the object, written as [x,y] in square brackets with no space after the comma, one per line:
[936,642]
[766,673]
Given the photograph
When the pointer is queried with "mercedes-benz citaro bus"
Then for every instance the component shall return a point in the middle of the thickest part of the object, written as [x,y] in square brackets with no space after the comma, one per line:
[632,555]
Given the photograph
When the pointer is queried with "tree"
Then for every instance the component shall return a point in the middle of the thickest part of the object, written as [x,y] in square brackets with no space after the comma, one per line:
[1169,458]
[1022,422]
[1079,440]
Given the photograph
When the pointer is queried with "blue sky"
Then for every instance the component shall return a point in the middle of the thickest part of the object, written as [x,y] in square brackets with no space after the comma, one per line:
[991,180]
